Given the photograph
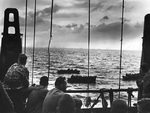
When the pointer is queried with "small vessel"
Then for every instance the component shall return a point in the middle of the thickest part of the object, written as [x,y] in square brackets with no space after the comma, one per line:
[68,71]
[130,76]
[82,79]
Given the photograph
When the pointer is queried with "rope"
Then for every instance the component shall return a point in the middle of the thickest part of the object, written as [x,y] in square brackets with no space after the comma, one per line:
[34,40]
[122,21]
[51,26]
[88,46]
[25,28]
[88,99]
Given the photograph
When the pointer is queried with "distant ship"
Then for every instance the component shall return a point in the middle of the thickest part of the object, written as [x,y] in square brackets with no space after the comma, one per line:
[82,79]
[130,76]
[68,71]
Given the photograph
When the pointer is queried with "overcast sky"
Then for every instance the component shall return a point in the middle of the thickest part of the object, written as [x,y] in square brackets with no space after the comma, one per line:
[71,18]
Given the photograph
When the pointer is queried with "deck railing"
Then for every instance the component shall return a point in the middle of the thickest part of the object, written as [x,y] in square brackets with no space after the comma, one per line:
[110,92]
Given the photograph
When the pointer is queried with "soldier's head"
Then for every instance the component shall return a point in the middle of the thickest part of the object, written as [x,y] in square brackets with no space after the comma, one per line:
[22,59]
[61,83]
[119,106]
[66,104]
[44,81]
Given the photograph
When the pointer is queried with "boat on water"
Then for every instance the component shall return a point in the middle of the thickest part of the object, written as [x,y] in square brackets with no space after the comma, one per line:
[68,71]
[8,52]
[82,79]
[130,76]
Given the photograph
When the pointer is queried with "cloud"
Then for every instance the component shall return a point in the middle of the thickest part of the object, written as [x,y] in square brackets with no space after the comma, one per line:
[104,18]
[70,18]
[20,4]
[84,4]
[76,35]
[114,7]
[112,31]
[106,32]
[67,15]
[71,25]
[47,11]
[98,6]
[125,19]
[43,15]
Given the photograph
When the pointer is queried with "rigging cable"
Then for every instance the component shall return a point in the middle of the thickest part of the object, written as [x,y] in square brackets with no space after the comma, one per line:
[88,45]
[34,40]
[50,37]
[122,22]
[25,28]
[88,99]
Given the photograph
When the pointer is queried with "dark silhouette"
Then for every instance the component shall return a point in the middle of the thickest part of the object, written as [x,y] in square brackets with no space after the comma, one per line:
[11,45]
[37,96]
[51,100]
[16,83]
[6,104]
[139,82]
[119,106]
[143,105]
[66,104]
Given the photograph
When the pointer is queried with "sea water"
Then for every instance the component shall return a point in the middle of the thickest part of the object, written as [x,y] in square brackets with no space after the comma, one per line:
[104,64]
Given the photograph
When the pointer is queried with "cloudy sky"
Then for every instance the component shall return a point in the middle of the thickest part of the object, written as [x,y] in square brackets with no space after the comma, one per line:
[70,20]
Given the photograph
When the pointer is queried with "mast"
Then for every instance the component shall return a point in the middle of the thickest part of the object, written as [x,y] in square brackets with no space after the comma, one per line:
[51,26]
[122,24]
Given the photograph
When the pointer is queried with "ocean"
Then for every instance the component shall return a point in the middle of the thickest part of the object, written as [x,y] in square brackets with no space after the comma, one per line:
[103,63]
